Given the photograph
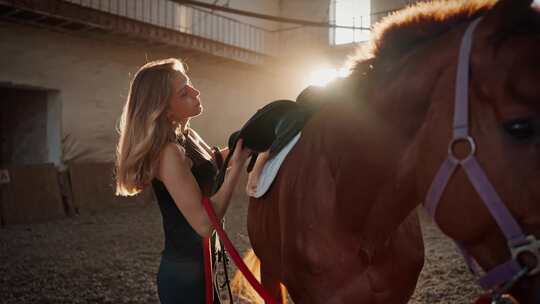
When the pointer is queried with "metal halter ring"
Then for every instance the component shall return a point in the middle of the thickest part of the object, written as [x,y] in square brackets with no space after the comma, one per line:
[469,140]
[532,246]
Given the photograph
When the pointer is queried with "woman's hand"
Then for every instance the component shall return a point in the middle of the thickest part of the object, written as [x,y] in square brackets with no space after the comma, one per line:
[224,152]
[240,154]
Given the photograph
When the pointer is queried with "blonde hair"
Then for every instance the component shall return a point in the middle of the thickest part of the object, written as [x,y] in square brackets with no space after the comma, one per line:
[144,128]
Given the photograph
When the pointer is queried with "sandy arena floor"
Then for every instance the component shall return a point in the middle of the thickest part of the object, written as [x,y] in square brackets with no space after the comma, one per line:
[112,257]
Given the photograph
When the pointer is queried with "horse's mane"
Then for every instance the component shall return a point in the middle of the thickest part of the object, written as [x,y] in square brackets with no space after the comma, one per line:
[405,29]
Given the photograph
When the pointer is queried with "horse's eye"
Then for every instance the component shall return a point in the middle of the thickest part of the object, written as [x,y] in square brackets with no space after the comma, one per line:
[521,129]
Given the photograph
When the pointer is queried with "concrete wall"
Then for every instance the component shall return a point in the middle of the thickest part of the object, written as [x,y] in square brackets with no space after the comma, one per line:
[304,40]
[32,195]
[385,5]
[93,189]
[378,7]
[91,76]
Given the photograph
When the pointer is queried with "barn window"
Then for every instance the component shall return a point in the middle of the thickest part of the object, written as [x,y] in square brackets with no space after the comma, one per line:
[355,13]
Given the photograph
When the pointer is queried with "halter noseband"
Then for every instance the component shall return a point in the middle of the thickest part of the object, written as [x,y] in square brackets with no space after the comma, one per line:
[504,275]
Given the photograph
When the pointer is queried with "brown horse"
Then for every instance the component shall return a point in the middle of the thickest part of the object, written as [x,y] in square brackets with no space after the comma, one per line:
[339,223]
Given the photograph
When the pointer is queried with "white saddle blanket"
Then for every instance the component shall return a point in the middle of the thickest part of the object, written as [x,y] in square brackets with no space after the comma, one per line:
[257,188]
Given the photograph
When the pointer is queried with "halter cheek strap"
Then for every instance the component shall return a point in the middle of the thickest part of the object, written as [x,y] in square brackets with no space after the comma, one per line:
[518,243]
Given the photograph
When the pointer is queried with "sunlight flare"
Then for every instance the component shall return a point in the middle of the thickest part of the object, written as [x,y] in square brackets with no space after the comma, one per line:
[536,5]
[323,76]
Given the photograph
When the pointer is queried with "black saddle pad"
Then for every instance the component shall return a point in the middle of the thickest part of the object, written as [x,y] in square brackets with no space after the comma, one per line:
[267,126]
[270,129]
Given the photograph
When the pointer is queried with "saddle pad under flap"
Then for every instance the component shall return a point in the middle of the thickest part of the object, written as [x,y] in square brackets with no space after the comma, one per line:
[271,168]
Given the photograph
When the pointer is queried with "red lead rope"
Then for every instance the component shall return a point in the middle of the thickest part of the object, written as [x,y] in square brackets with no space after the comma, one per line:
[484,299]
[234,254]
[208,288]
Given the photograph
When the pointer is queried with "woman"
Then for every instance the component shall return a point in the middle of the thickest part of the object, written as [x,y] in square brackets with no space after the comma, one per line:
[157,148]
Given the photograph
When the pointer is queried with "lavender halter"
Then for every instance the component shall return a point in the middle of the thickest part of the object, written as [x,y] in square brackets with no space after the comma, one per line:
[509,272]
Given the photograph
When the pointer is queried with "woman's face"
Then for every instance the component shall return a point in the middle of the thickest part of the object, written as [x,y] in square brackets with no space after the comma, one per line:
[184,101]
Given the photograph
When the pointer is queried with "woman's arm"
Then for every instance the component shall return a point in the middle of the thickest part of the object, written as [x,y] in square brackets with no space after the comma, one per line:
[175,173]
[237,162]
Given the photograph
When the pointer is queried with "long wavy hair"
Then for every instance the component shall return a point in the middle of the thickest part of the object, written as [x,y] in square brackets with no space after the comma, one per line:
[144,128]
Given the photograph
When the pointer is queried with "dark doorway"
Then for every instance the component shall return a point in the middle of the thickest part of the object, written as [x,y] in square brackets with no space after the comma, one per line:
[23,127]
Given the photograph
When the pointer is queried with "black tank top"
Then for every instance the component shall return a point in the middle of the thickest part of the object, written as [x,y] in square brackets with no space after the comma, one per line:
[182,243]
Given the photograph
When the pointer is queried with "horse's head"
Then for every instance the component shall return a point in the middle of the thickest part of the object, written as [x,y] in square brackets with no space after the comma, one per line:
[499,154]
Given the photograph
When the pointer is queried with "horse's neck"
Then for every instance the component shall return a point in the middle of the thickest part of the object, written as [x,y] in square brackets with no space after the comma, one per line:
[401,100]
[401,91]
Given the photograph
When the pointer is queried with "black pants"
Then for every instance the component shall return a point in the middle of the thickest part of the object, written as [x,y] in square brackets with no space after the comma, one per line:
[181,282]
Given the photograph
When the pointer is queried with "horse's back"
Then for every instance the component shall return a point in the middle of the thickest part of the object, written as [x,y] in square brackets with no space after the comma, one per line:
[309,228]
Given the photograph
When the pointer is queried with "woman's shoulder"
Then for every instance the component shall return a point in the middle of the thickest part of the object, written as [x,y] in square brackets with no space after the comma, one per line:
[172,147]
[173,153]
